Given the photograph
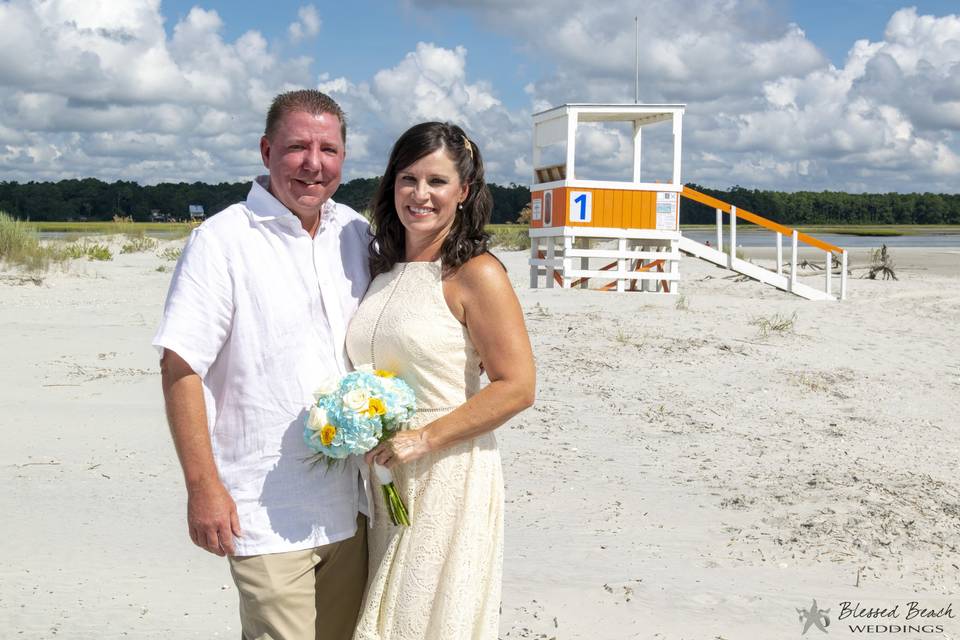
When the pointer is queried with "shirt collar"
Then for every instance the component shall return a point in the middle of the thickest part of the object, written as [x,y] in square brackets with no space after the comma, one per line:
[265,207]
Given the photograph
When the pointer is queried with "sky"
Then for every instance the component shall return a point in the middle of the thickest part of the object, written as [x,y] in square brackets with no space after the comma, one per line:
[851,95]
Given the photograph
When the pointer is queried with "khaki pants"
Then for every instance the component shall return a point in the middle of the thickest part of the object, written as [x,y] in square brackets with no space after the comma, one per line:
[314,594]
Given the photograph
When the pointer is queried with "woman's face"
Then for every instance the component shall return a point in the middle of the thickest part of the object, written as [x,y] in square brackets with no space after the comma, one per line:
[426,195]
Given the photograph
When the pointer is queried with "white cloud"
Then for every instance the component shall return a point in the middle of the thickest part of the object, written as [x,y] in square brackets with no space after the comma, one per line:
[885,115]
[764,106]
[308,25]
[429,83]
[103,89]
[108,93]
[99,89]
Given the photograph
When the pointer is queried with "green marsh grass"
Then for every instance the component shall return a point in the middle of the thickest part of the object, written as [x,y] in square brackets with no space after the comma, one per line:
[121,226]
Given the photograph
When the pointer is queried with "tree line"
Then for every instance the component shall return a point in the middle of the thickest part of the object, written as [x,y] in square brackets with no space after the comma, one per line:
[93,199]
[800,208]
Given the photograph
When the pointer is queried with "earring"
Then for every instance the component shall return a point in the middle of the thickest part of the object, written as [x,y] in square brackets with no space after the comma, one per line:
[460,206]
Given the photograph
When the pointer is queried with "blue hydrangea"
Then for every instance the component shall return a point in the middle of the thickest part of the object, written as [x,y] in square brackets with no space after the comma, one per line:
[356,430]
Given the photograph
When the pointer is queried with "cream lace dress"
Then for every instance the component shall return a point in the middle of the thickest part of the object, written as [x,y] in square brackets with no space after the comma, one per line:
[438,579]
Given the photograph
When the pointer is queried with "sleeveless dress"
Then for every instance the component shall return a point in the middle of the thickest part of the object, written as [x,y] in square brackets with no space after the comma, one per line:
[439,578]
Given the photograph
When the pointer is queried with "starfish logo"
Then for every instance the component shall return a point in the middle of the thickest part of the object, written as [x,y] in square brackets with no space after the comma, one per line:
[814,617]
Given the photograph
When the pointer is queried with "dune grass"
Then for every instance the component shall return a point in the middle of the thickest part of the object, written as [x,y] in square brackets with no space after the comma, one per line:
[171,254]
[139,243]
[777,323]
[509,237]
[20,245]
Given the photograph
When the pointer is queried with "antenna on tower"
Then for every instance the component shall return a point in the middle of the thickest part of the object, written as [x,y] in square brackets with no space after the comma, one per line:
[636,65]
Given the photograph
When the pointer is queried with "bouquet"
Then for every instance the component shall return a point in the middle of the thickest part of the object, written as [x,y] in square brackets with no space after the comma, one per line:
[354,414]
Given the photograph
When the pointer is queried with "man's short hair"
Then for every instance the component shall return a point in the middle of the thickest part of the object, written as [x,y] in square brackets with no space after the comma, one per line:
[307,100]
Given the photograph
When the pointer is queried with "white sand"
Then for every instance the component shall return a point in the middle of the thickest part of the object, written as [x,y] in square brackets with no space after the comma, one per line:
[681,476]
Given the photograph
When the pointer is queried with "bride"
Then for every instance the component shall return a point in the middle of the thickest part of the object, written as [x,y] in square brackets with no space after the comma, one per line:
[439,312]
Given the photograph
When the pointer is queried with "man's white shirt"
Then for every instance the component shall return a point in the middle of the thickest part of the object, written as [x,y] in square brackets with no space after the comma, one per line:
[259,310]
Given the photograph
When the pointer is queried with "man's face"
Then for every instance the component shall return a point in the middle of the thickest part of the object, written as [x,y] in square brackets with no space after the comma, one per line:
[304,157]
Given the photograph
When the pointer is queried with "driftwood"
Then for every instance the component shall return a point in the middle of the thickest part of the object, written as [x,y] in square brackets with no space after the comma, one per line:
[881,264]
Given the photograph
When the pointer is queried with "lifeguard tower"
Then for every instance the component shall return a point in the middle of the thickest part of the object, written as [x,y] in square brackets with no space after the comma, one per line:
[626,233]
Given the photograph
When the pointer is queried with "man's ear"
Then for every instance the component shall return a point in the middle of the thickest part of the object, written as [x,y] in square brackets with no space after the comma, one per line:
[265,151]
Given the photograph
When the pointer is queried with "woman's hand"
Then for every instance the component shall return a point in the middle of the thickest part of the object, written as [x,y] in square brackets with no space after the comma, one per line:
[402,447]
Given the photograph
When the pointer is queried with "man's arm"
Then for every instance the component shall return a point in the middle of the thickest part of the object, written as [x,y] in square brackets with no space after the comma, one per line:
[211,513]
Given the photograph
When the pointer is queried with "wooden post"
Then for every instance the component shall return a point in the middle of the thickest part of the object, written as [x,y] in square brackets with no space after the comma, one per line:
[637,142]
[733,234]
[571,143]
[584,243]
[675,266]
[779,253]
[567,262]
[534,255]
[621,265]
[829,270]
[677,144]
[843,275]
[793,260]
[719,230]
[551,254]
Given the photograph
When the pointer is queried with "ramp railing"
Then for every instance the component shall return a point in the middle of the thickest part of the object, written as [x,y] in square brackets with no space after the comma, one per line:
[776,277]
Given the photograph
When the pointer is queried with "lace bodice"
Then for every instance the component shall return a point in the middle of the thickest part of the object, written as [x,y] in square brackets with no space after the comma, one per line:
[405,326]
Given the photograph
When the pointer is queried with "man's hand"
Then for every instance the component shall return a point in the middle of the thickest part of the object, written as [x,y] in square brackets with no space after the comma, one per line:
[211,513]
[212,518]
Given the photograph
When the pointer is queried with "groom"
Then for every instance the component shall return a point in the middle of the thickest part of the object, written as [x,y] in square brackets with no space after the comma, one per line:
[255,318]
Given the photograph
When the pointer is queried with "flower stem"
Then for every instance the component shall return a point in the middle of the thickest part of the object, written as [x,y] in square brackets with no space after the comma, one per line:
[398,512]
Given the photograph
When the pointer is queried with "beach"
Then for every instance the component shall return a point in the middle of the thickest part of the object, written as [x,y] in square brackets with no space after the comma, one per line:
[701,466]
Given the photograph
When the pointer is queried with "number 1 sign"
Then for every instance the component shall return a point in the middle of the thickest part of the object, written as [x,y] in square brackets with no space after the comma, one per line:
[581,206]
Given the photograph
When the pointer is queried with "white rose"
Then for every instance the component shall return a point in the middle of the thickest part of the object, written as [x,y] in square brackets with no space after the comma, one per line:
[365,368]
[317,418]
[325,388]
[357,399]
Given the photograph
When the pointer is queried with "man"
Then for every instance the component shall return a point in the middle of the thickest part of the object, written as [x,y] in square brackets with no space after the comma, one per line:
[255,318]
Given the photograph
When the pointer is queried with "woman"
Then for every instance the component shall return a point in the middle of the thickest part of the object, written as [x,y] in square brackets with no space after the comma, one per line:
[440,305]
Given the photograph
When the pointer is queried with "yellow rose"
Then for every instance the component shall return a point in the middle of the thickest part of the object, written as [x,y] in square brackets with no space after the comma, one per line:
[327,434]
[384,373]
[375,407]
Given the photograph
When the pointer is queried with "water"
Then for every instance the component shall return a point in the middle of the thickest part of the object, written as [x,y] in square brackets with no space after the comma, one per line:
[745,238]
[754,238]
[70,236]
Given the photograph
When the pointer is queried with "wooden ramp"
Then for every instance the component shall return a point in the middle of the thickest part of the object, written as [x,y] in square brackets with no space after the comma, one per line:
[780,281]
[775,278]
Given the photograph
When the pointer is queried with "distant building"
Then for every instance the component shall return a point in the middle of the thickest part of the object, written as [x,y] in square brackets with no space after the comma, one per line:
[196,212]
